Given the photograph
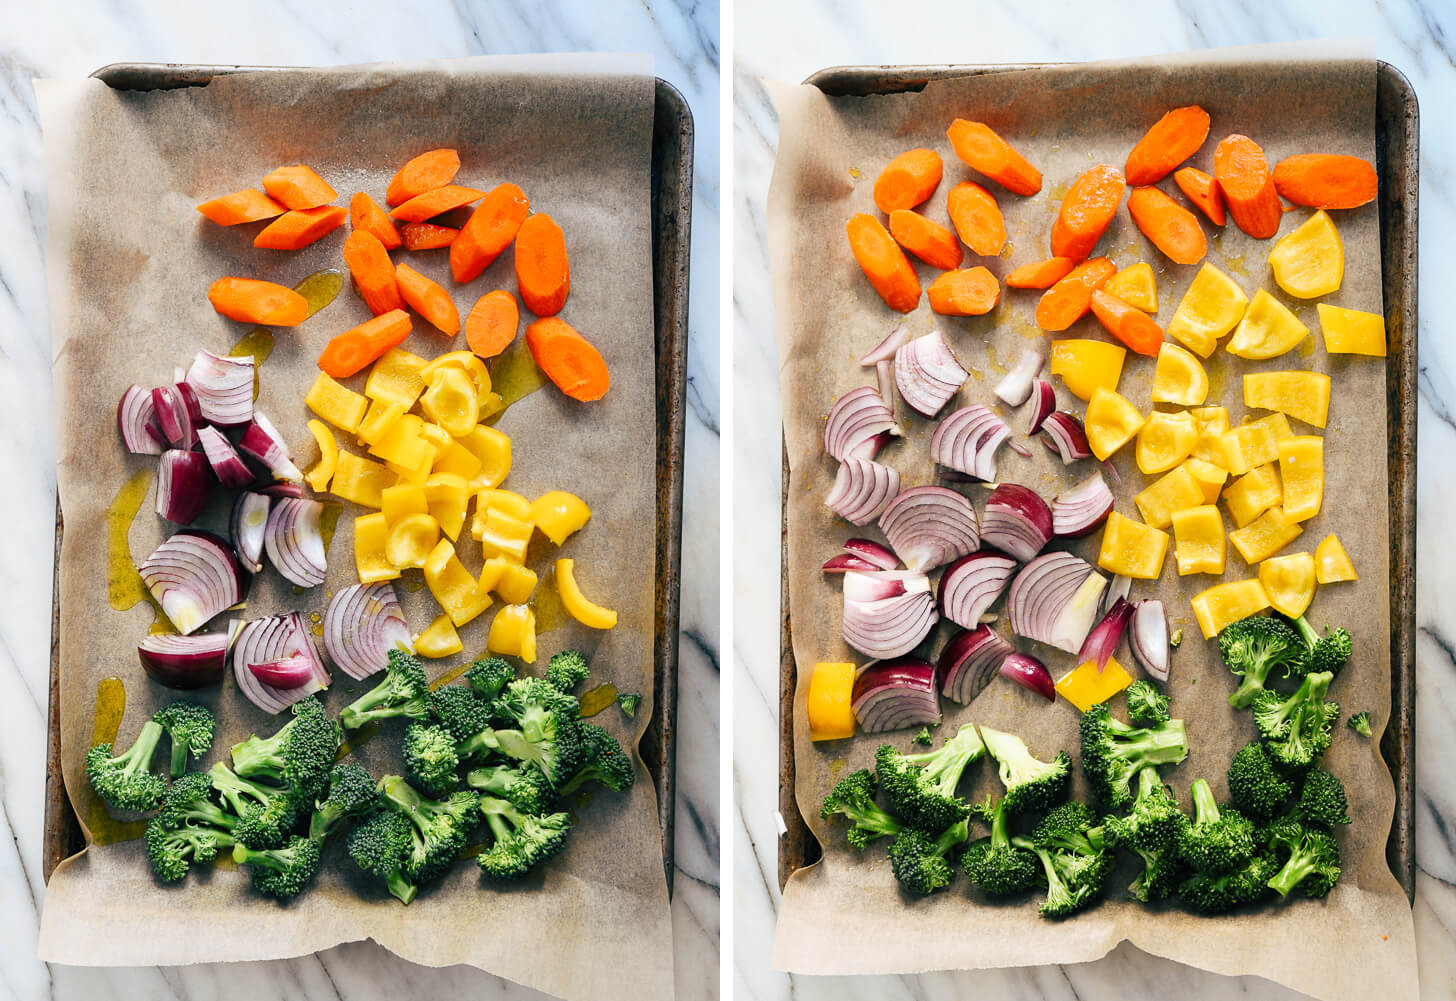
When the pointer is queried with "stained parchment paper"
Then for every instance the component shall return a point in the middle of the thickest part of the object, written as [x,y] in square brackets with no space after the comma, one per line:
[846,914]
[129,263]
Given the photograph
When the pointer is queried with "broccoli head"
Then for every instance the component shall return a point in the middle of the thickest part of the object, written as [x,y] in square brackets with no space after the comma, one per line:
[549,734]
[381,845]
[1322,801]
[1255,788]
[1113,752]
[125,781]
[919,861]
[1360,723]
[921,788]
[460,711]
[603,760]
[1032,785]
[1215,893]
[266,814]
[1218,840]
[1328,652]
[440,827]
[1073,880]
[430,760]
[567,670]
[1311,859]
[1071,827]
[281,872]
[352,793]
[489,676]
[1298,729]
[299,754]
[629,701]
[854,797]
[405,691]
[522,840]
[174,851]
[1154,822]
[996,865]
[1163,869]
[188,802]
[523,787]
[1254,648]
[190,726]
[1145,704]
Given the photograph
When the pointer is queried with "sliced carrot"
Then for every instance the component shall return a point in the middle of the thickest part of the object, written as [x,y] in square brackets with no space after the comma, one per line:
[568,359]
[348,353]
[428,299]
[1127,323]
[968,292]
[1087,211]
[1172,139]
[298,187]
[543,272]
[908,180]
[1204,192]
[365,214]
[1248,186]
[426,236]
[433,169]
[1068,300]
[490,326]
[1326,180]
[987,153]
[489,231]
[248,205]
[297,228]
[1041,274]
[249,300]
[373,272]
[435,201]
[883,262]
[926,239]
[977,218]
[1172,228]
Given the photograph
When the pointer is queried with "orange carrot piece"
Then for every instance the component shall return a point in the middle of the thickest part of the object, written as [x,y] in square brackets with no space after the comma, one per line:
[426,236]
[248,205]
[365,214]
[1172,228]
[1248,186]
[926,239]
[568,359]
[1326,180]
[433,169]
[1172,139]
[1087,211]
[1041,274]
[1127,323]
[298,187]
[543,272]
[489,231]
[1068,300]
[883,262]
[908,180]
[1204,192]
[977,218]
[435,201]
[296,229]
[348,353]
[373,272]
[428,299]
[490,326]
[249,300]
[968,292]
[987,153]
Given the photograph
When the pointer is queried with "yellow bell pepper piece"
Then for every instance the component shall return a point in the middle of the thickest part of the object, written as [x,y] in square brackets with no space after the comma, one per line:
[559,514]
[1310,261]
[1084,686]
[1331,562]
[1111,422]
[377,421]
[1267,330]
[1169,493]
[490,405]
[1349,331]
[1179,377]
[457,459]
[493,572]
[439,640]
[1198,540]
[1210,478]
[507,501]
[513,632]
[396,378]
[401,501]
[582,610]
[1305,396]
[318,477]
[831,702]
[1211,423]
[493,449]
[1085,366]
[515,584]
[1302,466]
[370,531]
[1135,286]
[453,587]
[1289,583]
[1276,424]
[339,405]
[1165,440]
[1132,549]
[1210,308]
[446,497]
[1248,446]
[465,361]
[450,401]
[410,476]
[410,540]
[1264,536]
[405,445]
[359,480]
[505,536]
[1253,493]
[437,436]
[1227,603]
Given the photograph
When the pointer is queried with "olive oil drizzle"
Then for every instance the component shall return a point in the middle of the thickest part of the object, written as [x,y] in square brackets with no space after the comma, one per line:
[124,585]
[514,376]
[596,699]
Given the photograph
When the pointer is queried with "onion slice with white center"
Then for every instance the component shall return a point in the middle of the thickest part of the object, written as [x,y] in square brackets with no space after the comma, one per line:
[183,483]
[967,440]
[1148,637]
[969,662]
[249,524]
[1015,387]
[270,641]
[872,585]
[184,661]
[927,374]
[894,695]
[224,387]
[886,348]
[287,673]
[972,584]
[858,424]
[1065,436]
[1119,588]
[873,552]
[227,465]
[194,576]
[294,542]
[889,627]
[862,489]
[1017,521]
[261,441]
[1101,642]
[136,419]
[1054,600]
[1029,673]
[173,416]
[929,526]
[1044,402]
[1078,511]
[363,623]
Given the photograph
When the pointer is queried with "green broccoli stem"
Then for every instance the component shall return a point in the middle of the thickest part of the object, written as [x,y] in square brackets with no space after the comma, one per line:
[953,835]
[324,819]
[485,741]
[402,795]
[1149,782]
[263,756]
[180,754]
[1250,685]
[1164,744]
[372,704]
[268,858]
[402,889]
[1300,865]
[1306,631]
[210,814]
[1205,809]
[946,764]
[138,757]
[501,815]
[1000,832]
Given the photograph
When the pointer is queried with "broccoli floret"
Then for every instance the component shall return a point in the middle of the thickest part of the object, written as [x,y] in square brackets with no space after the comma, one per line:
[1254,648]
[352,793]
[266,814]
[854,797]
[549,734]
[1145,704]
[1162,871]
[1298,729]
[923,738]
[187,802]
[404,692]
[1312,863]
[921,788]
[1255,788]
[1113,752]
[489,677]
[1073,880]
[1218,840]
[523,787]
[1154,823]
[566,670]
[1214,893]
[191,727]
[281,872]
[460,711]
[522,841]
[1071,827]
[174,851]
[994,863]
[603,760]
[629,701]
[1360,723]
[1031,785]
[1322,801]
[430,760]
[440,827]
[126,781]
[299,754]
[1326,653]
[381,845]
[919,863]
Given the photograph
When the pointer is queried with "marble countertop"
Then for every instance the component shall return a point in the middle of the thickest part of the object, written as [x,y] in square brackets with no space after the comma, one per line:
[73,39]
[788,42]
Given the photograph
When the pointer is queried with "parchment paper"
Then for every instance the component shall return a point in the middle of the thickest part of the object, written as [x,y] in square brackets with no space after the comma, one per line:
[846,914]
[130,261]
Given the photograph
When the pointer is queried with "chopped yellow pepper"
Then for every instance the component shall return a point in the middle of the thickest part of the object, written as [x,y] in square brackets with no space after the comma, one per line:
[456,458]
[1349,331]
[450,401]
[1211,423]
[1210,308]
[1226,603]
[515,584]
[1085,365]
[1264,536]
[831,702]
[493,572]
[378,420]
[1304,396]
[447,496]
[507,501]
[1276,424]
[405,444]
[1310,261]
[439,640]
[582,610]
[400,501]
[1179,377]
[1165,440]
[453,587]
[1210,478]
[359,480]
[1132,549]
[1167,494]
[1267,330]
[465,361]
[1302,466]
[1111,422]
[1253,493]
[1135,286]
[505,536]
[339,405]
[318,477]
[1289,583]
[411,539]
[1248,446]
[493,449]
[396,378]
[436,435]
[490,405]
[513,632]
[559,514]
[1331,562]
[1199,540]
[413,476]
[1084,686]
[370,531]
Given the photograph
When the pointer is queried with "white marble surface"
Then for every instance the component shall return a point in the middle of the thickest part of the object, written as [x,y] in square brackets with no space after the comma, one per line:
[788,42]
[71,40]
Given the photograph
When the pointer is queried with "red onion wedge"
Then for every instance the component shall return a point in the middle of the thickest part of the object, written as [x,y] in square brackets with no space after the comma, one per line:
[227,465]
[1015,388]
[282,488]
[972,584]
[173,417]
[1065,436]
[1149,637]
[1054,600]
[874,585]
[1044,402]
[1119,588]
[363,623]
[183,483]
[896,694]
[886,349]
[859,423]
[194,576]
[885,381]
[927,374]
[873,552]
[271,641]
[1029,673]
[184,661]
[1018,448]
[294,542]
[862,489]
[262,442]
[969,662]
[967,440]
[290,672]
[1101,642]
[1081,509]
[845,562]
[1017,521]
[188,398]
[927,527]
[224,387]
[136,419]
[889,627]
[249,524]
